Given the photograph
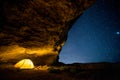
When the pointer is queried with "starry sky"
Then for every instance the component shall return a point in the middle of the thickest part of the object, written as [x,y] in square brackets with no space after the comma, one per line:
[95,36]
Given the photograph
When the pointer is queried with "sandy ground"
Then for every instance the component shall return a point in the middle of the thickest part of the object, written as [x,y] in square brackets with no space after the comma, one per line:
[72,72]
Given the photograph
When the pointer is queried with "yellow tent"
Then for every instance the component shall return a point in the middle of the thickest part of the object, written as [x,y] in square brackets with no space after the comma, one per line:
[24,64]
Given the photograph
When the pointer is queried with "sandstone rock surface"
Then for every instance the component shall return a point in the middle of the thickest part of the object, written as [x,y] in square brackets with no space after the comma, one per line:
[36,29]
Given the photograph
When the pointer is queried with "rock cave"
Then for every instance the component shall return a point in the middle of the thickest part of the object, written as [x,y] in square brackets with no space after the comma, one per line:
[36,29]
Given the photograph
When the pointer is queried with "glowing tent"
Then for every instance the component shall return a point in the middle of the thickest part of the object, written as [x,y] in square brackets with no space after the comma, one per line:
[24,64]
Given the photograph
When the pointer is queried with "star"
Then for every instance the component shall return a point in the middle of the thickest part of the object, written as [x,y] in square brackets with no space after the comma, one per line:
[118,33]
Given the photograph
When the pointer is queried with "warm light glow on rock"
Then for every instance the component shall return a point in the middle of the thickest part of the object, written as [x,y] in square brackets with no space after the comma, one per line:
[40,51]
[11,52]
[24,64]
[17,52]
[45,67]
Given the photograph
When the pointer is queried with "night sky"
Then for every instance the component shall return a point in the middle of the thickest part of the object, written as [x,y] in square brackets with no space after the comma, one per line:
[95,37]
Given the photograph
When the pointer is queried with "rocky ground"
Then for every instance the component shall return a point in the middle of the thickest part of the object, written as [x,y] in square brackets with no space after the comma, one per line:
[76,71]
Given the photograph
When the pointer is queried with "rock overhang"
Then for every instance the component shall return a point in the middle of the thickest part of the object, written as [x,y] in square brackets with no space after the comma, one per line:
[37,29]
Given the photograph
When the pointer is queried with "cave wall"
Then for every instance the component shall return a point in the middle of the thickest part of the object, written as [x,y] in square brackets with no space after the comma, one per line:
[36,29]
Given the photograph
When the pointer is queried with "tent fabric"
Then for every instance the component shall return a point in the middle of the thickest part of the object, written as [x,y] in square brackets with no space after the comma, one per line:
[24,64]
